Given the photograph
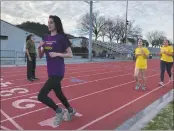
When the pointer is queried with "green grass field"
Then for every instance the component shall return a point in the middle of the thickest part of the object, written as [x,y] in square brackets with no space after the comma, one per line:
[164,120]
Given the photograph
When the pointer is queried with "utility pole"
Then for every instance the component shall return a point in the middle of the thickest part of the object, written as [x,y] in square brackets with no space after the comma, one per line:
[126,21]
[90,31]
[90,34]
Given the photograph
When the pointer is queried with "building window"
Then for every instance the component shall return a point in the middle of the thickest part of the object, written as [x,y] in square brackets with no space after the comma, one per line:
[3,37]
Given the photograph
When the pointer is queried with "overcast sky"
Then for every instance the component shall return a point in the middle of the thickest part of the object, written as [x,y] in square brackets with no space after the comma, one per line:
[149,15]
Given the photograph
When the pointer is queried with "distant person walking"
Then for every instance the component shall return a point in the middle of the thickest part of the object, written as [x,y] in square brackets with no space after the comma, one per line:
[166,61]
[31,58]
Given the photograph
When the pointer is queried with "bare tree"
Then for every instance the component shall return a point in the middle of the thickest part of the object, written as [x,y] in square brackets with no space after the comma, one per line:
[111,28]
[132,30]
[103,32]
[156,38]
[121,30]
[120,27]
[97,23]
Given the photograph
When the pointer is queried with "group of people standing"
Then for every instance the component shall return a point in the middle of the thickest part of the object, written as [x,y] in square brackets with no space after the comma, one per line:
[166,63]
[56,47]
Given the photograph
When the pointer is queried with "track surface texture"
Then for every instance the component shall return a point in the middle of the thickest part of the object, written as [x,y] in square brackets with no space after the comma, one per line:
[102,93]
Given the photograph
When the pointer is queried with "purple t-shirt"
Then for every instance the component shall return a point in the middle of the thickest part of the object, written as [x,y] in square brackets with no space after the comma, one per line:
[59,44]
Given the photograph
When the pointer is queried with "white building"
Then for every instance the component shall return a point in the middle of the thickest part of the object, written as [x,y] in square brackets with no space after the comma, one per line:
[13,39]
[77,42]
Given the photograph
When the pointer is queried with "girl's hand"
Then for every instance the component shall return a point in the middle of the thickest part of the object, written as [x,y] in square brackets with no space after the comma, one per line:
[53,54]
[29,58]
[41,44]
[142,51]
[139,53]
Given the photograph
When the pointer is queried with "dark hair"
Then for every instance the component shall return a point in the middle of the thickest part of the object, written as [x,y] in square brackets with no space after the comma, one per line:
[165,39]
[59,26]
[29,37]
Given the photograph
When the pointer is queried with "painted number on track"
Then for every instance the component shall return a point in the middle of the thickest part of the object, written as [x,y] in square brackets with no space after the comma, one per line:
[4,84]
[5,93]
[25,103]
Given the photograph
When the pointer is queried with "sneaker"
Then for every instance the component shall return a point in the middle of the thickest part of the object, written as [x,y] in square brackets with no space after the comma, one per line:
[171,79]
[30,79]
[68,116]
[59,118]
[35,78]
[161,83]
[137,86]
[143,87]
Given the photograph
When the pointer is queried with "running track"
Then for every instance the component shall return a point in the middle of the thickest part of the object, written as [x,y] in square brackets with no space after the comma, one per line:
[102,93]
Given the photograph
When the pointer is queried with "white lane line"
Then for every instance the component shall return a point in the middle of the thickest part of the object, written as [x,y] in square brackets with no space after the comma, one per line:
[11,120]
[97,92]
[114,111]
[93,69]
[42,83]
[69,85]
[75,73]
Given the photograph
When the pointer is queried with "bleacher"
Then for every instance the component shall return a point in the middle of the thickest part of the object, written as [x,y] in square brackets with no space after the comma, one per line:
[123,48]
[116,47]
[154,50]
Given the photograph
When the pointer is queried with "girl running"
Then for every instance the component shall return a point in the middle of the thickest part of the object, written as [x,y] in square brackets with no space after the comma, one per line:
[166,61]
[56,48]
[141,54]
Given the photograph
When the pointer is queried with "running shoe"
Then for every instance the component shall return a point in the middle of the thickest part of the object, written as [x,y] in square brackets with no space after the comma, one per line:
[35,78]
[30,79]
[68,116]
[137,86]
[161,83]
[143,87]
[59,117]
[171,78]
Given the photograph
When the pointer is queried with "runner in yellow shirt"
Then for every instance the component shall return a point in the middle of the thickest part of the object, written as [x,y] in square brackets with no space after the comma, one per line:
[166,61]
[141,54]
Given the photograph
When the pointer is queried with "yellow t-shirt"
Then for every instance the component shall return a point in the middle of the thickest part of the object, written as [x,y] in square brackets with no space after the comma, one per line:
[141,60]
[165,57]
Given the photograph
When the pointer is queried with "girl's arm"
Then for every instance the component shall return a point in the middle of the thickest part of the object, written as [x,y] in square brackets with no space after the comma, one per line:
[168,53]
[146,55]
[68,54]
[41,51]
[28,54]
[27,51]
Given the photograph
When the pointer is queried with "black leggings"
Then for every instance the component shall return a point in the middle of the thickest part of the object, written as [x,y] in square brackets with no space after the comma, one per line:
[54,83]
[165,66]
[31,66]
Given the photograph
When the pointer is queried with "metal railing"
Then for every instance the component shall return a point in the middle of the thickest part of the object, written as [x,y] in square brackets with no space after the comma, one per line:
[10,57]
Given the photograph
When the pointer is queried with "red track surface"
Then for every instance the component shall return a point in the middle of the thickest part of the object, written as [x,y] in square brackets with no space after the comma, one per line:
[105,96]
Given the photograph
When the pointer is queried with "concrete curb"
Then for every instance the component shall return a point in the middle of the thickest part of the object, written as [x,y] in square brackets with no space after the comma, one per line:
[141,119]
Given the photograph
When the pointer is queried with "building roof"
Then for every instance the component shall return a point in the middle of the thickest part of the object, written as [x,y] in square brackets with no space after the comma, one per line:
[19,28]
[79,37]
[30,31]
